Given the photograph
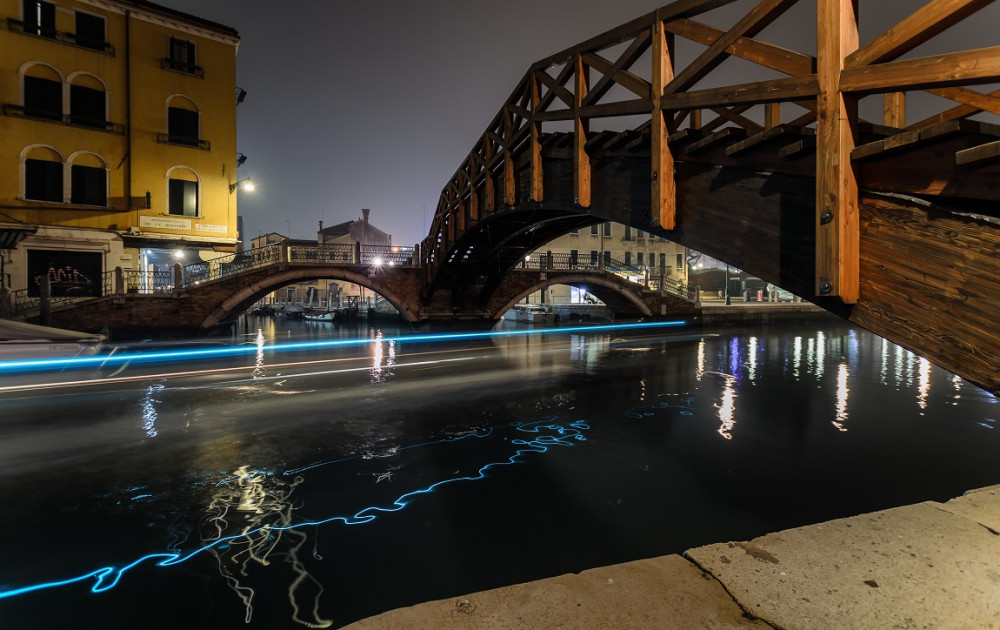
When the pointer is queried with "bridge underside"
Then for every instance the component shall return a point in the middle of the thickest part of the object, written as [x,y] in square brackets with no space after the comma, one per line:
[930,276]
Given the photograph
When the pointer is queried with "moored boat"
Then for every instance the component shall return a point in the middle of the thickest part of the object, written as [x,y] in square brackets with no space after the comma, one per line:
[19,340]
[532,314]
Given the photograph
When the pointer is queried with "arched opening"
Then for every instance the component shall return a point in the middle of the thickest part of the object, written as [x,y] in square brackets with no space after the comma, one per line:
[42,174]
[183,121]
[88,179]
[183,191]
[42,91]
[88,102]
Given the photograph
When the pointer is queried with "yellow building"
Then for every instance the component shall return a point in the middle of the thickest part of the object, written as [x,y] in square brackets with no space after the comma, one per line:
[117,139]
[660,260]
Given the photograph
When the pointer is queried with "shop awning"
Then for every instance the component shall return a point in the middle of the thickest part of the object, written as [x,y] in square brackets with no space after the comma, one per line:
[13,233]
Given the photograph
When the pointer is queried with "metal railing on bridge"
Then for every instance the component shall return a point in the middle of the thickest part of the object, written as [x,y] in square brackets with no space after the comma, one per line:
[632,273]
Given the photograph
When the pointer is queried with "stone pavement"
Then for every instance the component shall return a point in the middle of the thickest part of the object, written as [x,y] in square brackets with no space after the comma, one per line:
[930,565]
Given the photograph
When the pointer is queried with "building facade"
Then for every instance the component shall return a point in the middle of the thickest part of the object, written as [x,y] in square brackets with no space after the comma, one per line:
[117,140]
[663,260]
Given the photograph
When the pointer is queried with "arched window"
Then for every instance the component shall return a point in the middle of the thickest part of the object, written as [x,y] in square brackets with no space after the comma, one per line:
[182,192]
[43,174]
[183,122]
[43,92]
[88,103]
[88,180]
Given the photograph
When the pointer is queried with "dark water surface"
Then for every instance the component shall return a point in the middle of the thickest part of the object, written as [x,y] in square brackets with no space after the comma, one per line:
[315,487]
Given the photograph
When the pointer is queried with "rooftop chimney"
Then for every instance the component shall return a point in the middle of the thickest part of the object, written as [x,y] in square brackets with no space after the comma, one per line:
[364,213]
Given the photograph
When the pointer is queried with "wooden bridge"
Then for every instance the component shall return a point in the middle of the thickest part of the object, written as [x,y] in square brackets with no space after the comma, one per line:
[890,221]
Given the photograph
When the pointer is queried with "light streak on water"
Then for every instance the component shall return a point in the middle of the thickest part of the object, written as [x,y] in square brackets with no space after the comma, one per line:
[820,354]
[923,384]
[884,364]
[842,394]
[228,351]
[752,360]
[727,408]
[796,356]
[149,413]
[701,360]
[542,436]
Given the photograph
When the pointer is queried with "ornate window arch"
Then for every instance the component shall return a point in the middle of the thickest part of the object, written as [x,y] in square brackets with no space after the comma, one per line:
[183,191]
[88,179]
[42,174]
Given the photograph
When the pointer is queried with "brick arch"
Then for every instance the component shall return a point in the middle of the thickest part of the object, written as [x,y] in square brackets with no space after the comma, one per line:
[615,293]
[245,294]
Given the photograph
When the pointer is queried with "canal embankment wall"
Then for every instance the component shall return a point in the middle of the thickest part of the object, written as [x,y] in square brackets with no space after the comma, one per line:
[929,565]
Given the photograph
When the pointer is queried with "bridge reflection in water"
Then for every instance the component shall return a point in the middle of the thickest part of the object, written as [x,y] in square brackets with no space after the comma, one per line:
[314,487]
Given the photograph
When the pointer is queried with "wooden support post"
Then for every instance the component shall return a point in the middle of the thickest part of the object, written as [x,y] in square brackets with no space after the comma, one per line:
[537,189]
[474,204]
[894,109]
[772,115]
[663,198]
[451,229]
[462,216]
[489,185]
[696,119]
[837,213]
[581,161]
[509,185]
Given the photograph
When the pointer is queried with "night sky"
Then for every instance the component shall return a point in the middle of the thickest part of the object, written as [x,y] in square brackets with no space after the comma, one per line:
[375,103]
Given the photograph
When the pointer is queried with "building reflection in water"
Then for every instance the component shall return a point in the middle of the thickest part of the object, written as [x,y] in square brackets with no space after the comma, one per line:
[727,407]
[259,504]
[258,368]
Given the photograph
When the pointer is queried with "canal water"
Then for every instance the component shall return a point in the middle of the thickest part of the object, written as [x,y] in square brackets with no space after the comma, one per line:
[319,474]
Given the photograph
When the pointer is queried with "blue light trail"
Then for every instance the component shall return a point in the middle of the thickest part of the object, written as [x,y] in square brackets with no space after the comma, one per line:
[113,358]
[547,433]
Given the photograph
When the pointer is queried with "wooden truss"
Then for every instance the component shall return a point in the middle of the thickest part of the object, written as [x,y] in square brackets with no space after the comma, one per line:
[585,83]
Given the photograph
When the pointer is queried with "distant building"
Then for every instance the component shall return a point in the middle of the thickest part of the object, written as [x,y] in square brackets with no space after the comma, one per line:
[663,259]
[119,135]
[321,292]
[357,231]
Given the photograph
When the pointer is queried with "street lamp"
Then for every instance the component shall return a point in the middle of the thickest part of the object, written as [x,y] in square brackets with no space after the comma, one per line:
[247,185]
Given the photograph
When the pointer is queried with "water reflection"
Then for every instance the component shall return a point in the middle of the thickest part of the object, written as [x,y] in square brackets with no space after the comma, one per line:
[258,368]
[149,413]
[727,407]
[842,394]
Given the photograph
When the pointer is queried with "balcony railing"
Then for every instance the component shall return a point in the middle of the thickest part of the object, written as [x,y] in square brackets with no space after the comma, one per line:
[183,67]
[18,26]
[72,120]
[181,141]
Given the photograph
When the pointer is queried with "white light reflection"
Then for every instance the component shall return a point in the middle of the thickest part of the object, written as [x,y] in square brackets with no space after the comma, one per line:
[727,408]
[810,354]
[956,382]
[149,413]
[377,358]
[820,354]
[897,370]
[701,360]
[842,393]
[910,360]
[884,367]
[752,360]
[923,384]
[796,356]
[258,367]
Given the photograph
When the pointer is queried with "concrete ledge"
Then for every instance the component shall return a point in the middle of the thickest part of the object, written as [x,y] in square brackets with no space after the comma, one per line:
[665,592]
[929,565]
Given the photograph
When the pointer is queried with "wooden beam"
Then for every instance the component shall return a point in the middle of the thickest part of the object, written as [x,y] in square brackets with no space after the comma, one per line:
[620,108]
[625,61]
[663,192]
[732,115]
[768,55]
[837,216]
[982,155]
[962,111]
[982,102]
[626,79]
[557,87]
[752,23]
[959,68]
[772,115]
[581,161]
[537,189]
[509,185]
[923,24]
[786,89]
[894,109]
